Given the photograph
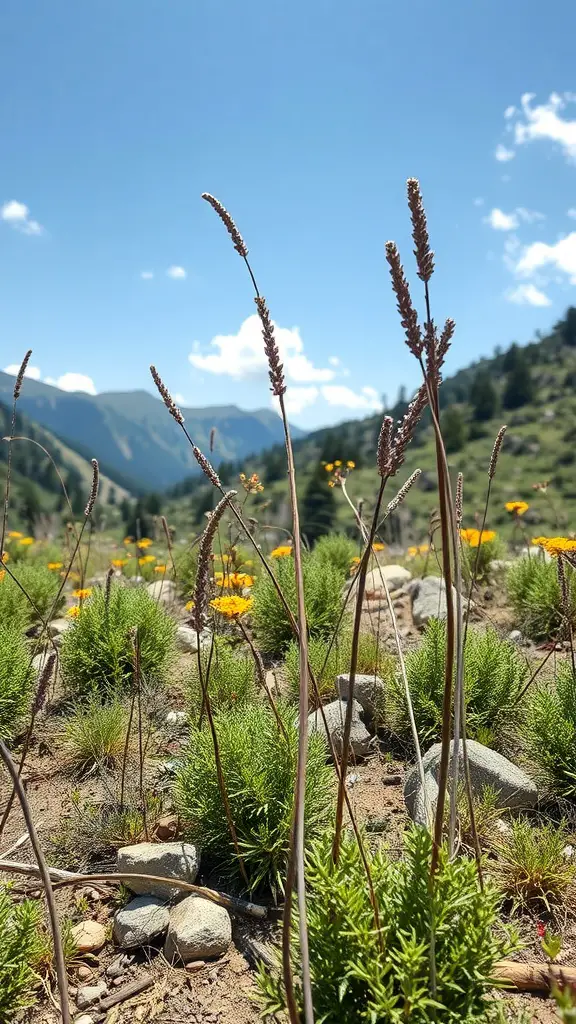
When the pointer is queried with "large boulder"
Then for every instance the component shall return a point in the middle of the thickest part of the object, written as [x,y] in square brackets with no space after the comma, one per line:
[335,714]
[487,768]
[163,592]
[140,921]
[198,929]
[428,599]
[395,576]
[168,860]
[368,691]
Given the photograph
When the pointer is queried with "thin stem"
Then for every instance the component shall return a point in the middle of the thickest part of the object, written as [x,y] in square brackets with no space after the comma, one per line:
[262,679]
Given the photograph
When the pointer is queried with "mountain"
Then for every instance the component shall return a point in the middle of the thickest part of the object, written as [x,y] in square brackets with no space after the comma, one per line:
[133,436]
[530,388]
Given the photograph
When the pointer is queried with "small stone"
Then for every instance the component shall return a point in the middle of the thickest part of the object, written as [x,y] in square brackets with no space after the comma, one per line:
[59,626]
[393,780]
[177,719]
[168,860]
[568,852]
[428,599]
[167,827]
[195,965]
[186,639]
[163,592]
[90,994]
[84,973]
[118,966]
[515,636]
[198,929]
[140,921]
[395,576]
[84,1018]
[335,714]
[89,936]
[369,691]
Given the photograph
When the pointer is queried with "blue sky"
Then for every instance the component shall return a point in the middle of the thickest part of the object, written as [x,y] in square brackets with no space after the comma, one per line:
[305,119]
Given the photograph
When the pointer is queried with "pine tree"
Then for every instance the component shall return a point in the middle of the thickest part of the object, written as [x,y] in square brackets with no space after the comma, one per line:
[519,389]
[453,429]
[318,505]
[483,397]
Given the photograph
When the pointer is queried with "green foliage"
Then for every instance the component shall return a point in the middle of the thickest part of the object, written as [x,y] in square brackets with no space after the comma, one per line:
[95,735]
[21,946]
[328,662]
[519,387]
[337,549]
[259,768]
[318,508]
[231,679]
[531,867]
[550,731]
[16,678]
[483,397]
[485,553]
[493,675]
[94,830]
[355,978]
[534,593]
[97,651]
[186,562]
[453,429]
[487,811]
[323,584]
[40,584]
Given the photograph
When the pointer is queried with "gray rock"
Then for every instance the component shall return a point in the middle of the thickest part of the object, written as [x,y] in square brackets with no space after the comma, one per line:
[428,599]
[90,994]
[39,661]
[198,929]
[119,966]
[57,629]
[395,576]
[335,713]
[176,719]
[368,691]
[170,860]
[84,1018]
[487,768]
[140,921]
[500,565]
[515,636]
[187,639]
[163,591]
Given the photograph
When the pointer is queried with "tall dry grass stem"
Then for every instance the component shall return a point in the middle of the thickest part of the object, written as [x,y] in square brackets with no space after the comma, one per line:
[15,397]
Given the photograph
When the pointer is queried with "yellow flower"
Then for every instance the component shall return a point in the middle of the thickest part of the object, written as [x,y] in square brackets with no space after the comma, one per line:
[189,606]
[378,546]
[160,568]
[412,552]
[331,483]
[283,551]
[144,542]
[518,508]
[26,541]
[119,563]
[424,549]
[329,467]
[146,559]
[337,462]
[232,607]
[82,593]
[355,560]
[2,574]
[15,534]
[128,540]
[55,565]
[555,545]
[474,538]
[73,612]
[5,557]
[225,559]
[350,464]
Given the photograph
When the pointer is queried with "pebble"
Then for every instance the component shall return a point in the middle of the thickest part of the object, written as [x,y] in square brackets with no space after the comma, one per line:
[84,973]
[89,936]
[167,826]
[84,1018]
[118,966]
[393,780]
[195,965]
[90,994]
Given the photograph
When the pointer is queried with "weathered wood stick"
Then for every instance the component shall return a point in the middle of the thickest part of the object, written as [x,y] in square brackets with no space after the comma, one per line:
[533,977]
[126,992]
[72,878]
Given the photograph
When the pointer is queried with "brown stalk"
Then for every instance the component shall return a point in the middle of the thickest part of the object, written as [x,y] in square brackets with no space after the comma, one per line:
[260,672]
[15,397]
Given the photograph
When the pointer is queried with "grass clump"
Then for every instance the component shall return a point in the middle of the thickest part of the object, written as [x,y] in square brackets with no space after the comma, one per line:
[534,593]
[358,980]
[493,675]
[16,678]
[231,679]
[531,867]
[373,659]
[550,732]
[21,947]
[40,584]
[259,768]
[323,584]
[95,735]
[336,549]
[93,831]
[97,651]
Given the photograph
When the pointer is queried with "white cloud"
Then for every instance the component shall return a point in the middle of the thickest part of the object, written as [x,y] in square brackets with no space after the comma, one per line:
[73,382]
[146,275]
[528,295]
[340,394]
[501,221]
[298,399]
[31,371]
[178,273]
[509,112]
[18,216]
[562,256]
[334,361]
[545,122]
[242,355]
[503,154]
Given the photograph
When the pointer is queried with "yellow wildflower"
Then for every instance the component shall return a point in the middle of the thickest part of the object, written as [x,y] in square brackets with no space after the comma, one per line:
[55,565]
[282,551]
[337,462]
[518,508]
[355,560]
[160,568]
[82,593]
[5,557]
[128,540]
[412,551]
[144,542]
[350,464]
[378,546]
[329,467]
[424,549]
[474,538]
[73,612]
[15,534]
[26,541]
[556,545]
[146,559]
[232,607]
[119,563]
[2,574]
[189,606]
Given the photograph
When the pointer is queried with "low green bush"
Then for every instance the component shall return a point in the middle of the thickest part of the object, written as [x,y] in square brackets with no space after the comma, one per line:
[259,768]
[40,584]
[328,662]
[361,977]
[95,735]
[494,672]
[531,867]
[534,593]
[323,584]
[97,651]
[21,946]
[550,731]
[231,679]
[336,549]
[16,678]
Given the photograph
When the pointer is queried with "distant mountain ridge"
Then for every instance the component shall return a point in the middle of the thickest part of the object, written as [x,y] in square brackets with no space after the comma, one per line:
[134,437]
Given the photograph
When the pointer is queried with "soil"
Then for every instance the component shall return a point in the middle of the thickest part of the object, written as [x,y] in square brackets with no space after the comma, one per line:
[219,992]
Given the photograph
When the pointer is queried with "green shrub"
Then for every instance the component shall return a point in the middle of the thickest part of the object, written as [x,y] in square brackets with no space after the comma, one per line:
[231,680]
[356,978]
[93,830]
[336,549]
[40,583]
[95,735]
[323,584]
[534,594]
[493,675]
[486,552]
[186,563]
[97,650]
[550,731]
[259,769]
[16,678]
[373,659]
[531,867]
[21,946]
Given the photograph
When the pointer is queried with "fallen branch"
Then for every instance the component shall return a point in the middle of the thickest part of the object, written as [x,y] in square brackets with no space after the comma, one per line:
[61,877]
[533,977]
[126,992]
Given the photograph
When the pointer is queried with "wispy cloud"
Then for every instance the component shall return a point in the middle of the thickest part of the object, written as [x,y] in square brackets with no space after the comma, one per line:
[561,256]
[177,273]
[66,382]
[17,215]
[338,394]
[572,212]
[298,399]
[31,371]
[545,121]
[503,154]
[501,221]
[528,295]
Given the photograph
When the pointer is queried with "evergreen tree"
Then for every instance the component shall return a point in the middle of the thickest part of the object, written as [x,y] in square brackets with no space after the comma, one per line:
[483,397]
[519,388]
[453,429]
[566,328]
[318,505]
